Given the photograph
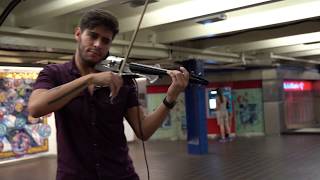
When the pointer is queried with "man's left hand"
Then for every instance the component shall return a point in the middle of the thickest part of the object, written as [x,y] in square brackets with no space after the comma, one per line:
[180,80]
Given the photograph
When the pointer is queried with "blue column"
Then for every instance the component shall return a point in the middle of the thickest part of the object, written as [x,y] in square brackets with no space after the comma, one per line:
[196,111]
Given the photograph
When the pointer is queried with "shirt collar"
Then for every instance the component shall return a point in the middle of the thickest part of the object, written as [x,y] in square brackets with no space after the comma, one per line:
[73,69]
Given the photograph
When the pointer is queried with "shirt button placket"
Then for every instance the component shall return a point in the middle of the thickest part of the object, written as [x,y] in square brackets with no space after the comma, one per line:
[93,116]
[97,163]
[94,144]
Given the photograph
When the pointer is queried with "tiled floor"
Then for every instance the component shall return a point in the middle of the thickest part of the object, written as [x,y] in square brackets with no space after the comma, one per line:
[287,157]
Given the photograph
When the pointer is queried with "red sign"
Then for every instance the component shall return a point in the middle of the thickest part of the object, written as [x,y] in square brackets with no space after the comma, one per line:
[297,85]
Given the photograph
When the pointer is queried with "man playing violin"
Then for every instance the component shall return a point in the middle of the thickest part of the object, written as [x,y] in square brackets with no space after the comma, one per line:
[89,106]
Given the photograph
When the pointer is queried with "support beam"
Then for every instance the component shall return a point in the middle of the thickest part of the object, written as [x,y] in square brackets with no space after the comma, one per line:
[49,42]
[277,42]
[284,30]
[293,48]
[183,11]
[303,53]
[245,19]
[285,58]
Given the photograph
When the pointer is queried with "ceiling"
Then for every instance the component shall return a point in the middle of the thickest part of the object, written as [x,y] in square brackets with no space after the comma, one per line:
[250,33]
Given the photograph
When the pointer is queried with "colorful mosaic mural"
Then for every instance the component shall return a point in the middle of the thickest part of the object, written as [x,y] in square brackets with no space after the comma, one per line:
[248,110]
[20,134]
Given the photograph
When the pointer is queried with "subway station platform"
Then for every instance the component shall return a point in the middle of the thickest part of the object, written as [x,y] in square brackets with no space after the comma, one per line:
[294,157]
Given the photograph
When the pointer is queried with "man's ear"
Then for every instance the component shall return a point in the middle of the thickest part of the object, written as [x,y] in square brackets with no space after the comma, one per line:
[77,33]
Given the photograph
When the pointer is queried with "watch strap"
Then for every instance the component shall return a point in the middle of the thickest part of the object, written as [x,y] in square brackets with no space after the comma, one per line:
[169,105]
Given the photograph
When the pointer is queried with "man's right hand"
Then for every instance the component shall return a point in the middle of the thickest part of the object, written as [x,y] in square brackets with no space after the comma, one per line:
[109,79]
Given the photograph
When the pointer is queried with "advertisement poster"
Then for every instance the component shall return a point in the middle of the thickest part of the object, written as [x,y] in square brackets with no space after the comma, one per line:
[175,124]
[20,134]
[248,111]
[153,101]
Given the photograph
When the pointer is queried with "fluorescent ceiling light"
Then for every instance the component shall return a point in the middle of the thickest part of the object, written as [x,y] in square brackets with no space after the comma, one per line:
[315,42]
[212,19]
[137,3]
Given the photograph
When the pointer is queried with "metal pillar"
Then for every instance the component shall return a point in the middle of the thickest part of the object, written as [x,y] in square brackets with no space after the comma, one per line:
[196,111]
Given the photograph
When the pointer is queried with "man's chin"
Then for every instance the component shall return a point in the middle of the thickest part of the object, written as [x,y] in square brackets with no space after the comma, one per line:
[92,62]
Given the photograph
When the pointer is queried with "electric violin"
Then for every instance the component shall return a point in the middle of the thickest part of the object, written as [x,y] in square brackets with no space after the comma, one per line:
[136,70]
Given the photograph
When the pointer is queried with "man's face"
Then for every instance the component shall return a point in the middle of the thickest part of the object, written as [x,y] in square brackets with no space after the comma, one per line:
[93,44]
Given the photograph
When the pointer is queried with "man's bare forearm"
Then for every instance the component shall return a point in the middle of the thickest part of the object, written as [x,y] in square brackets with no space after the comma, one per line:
[72,92]
[42,101]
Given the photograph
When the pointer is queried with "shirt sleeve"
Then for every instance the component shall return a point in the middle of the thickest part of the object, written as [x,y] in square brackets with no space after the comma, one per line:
[46,78]
[132,95]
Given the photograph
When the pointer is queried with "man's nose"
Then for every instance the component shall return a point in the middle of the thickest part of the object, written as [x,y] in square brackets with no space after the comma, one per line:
[98,43]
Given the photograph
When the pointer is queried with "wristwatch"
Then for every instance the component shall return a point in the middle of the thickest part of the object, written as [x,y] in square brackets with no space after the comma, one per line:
[169,105]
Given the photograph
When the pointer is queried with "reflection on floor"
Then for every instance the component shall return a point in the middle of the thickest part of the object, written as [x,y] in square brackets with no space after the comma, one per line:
[304,131]
[294,157]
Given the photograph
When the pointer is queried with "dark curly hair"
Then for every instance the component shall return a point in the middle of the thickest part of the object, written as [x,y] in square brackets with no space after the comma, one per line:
[99,17]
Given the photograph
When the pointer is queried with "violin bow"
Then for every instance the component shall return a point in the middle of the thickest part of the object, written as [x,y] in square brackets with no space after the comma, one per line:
[193,78]
[133,38]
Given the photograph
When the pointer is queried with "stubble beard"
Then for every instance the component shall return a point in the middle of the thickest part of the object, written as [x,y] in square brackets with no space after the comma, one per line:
[84,60]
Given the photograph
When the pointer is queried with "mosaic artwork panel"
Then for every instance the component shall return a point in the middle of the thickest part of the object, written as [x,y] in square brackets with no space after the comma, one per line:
[20,134]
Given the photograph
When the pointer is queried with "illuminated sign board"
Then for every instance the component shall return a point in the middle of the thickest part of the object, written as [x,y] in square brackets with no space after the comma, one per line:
[297,85]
